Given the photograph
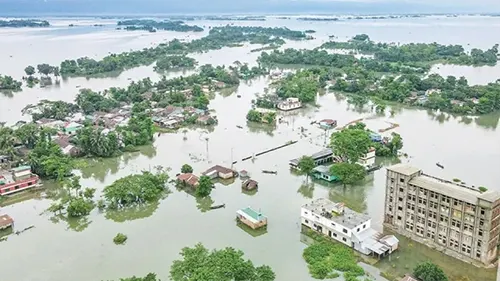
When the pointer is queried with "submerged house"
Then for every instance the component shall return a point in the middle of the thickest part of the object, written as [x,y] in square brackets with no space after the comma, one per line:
[6,221]
[328,124]
[251,218]
[289,104]
[249,185]
[322,157]
[347,227]
[188,179]
[218,171]
[323,172]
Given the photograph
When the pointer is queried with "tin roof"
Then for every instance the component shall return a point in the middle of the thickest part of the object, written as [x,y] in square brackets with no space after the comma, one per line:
[5,220]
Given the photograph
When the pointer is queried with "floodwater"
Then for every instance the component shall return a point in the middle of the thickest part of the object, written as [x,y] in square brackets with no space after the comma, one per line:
[469,148]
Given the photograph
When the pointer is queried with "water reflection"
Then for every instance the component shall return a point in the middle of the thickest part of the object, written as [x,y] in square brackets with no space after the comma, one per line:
[261,128]
[136,212]
[307,190]
[75,224]
[204,204]
[252,232]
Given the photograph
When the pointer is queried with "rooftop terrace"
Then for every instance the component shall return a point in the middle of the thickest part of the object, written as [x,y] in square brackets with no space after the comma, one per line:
[330,210]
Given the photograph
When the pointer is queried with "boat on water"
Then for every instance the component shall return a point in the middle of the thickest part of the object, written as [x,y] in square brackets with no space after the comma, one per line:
[440,165]
[269,172]
[217,206]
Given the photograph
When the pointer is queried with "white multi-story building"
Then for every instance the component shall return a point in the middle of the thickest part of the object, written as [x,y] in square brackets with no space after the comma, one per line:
[368,160]
[347,226]
[289,104]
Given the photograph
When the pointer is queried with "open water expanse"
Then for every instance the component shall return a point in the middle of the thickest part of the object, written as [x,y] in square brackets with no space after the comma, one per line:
[55,250]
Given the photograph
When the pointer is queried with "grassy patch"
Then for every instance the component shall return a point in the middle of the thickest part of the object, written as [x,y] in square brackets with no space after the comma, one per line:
[120,239]
[325,259]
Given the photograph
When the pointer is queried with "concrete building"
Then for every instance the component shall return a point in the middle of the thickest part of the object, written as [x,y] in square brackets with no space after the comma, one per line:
[454,218]
[289,104]
[347,226]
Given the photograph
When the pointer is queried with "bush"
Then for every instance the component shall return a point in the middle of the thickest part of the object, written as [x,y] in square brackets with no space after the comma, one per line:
[120,239]
[483,189]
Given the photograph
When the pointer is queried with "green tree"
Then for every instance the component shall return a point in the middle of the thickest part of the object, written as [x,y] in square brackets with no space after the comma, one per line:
[136,189]
[149,277]
[428,271]
[254,116]
[348,173]
[48,161]
[45,69]
[204,187]
[186,169]
[198,263]
[29,70]
[350,144]
[28,134]
[306,165]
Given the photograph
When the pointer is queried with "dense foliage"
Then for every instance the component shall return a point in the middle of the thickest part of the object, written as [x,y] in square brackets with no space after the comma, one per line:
[303,85]
[47,159]
[417,52]
[391,147]
[120,239]
[428,271]
[325,258]
[348,173]
[217,38]
[261,117]
[170,62]
[94,142]
[198,263]
[24,23]
[204,187]
[9,83]
[136,189]
[140,24]
[186,168]
[351,143]
[306,165]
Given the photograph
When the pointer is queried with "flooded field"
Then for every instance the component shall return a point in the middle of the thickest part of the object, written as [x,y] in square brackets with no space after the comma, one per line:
[469,148]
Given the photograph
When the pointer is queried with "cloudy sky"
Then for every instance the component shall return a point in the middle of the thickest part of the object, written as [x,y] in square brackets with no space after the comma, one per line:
[260,6]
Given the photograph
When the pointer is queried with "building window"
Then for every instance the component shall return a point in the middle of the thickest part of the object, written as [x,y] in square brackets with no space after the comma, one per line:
[392,180]
[364,226]
[343,239]
[400,208]
[402,180]
[16,187]
[344,230]
[307,221]
[482,211]
[400,189]
[334,234]
[305,213]
[333,224]
[358,229]
[399,218]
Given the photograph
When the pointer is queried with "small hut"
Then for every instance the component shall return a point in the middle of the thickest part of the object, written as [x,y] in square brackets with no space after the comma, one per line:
[244,174]
[5,222]
[249,185]
[251,218]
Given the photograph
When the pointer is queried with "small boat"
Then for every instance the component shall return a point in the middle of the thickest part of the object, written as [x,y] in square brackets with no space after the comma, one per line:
[269,172]
[238,96]
[239,127]
[217,206]
[439,165]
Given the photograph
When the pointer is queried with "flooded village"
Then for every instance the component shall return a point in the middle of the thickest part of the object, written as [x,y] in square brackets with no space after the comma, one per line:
[260,201]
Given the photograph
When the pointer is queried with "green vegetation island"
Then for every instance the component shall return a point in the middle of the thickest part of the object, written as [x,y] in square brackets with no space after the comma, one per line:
[397,74]
[152,25]
[218,37]
[24,23]
[7,83]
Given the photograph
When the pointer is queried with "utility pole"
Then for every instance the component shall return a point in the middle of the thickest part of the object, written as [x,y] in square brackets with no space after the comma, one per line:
[208,159]
[232,158]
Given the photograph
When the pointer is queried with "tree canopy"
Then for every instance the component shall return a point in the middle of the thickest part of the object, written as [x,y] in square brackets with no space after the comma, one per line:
[428,271]
[228,264]
[186,169]
[306,165]
[204,187]
[348,173]
[136,189]
[351,143]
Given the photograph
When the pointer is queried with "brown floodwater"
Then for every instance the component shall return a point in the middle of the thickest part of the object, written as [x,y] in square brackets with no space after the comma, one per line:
[56,248]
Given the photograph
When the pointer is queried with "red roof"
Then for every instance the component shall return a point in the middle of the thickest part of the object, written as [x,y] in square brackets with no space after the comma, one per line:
[188,178]
[219,169]
[5,221]
[328,121]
